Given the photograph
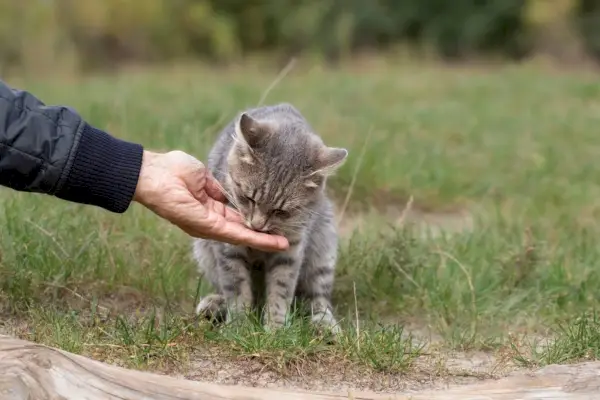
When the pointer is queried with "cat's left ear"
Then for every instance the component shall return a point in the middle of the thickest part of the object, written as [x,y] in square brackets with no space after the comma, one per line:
[328,161]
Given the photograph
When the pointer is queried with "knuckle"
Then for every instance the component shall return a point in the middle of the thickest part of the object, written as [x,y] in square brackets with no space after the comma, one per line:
[183,156]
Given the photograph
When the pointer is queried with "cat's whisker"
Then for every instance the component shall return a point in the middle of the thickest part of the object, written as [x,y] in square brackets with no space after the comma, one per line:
[223,190]
[294,229]
[228,194]
[300,226]
[294,225]
[222,171]
[230,197]
[313,212]
[235,138]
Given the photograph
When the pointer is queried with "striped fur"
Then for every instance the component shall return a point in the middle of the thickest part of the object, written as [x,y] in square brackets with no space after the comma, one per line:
[273,168]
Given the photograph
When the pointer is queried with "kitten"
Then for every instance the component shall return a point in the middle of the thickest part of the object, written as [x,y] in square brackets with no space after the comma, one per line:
[273,168]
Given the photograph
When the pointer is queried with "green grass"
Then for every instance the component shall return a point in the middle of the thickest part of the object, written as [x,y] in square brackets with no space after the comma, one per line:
[516,146]
[573,340]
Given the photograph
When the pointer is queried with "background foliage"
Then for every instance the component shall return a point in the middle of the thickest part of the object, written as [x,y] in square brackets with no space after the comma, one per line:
[105,33]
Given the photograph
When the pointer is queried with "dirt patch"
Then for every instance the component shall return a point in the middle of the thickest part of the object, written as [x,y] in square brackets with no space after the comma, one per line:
[436,368]
[430,372]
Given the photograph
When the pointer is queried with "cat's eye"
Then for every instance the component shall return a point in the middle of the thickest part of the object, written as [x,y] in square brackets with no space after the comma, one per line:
[248,199]
[281,214]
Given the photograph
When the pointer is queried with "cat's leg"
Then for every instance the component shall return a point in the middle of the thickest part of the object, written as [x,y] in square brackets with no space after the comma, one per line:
[322,314]
[281,279]
[235,280]
[317,287]
[318,274]
[211,306]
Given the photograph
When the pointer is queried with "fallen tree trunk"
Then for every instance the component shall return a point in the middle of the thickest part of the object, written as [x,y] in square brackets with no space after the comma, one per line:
[32,371]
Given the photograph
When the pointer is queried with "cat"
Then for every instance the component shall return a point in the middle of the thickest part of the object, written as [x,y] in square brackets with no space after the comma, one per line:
[273,169]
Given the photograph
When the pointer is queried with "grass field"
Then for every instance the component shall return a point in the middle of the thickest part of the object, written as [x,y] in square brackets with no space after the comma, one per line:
[515,147]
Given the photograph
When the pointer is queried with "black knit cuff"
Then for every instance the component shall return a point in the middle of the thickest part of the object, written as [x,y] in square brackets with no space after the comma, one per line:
[104,172]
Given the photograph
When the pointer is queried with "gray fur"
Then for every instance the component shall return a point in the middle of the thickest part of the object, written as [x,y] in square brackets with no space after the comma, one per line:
[272,155]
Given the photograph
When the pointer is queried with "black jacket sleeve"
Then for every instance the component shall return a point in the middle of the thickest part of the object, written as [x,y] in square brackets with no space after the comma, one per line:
[52,150]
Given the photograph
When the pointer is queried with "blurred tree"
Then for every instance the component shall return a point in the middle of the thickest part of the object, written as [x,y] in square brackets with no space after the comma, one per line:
[105,33]
[587,19]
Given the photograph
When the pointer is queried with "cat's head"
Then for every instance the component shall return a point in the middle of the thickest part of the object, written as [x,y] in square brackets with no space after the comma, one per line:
[277,170]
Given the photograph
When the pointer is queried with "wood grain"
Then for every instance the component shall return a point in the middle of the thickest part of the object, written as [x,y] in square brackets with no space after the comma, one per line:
[32,371]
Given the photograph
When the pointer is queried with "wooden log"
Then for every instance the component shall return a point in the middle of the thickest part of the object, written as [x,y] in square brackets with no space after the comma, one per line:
[32,371]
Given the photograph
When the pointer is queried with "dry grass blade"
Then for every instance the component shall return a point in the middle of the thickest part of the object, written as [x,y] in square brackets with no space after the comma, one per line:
[282,74]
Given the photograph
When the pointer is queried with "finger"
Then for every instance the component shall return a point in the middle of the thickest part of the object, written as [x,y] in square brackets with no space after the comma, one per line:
[221,223]
[236,233]
[227,212]
[213,189]
[232,216]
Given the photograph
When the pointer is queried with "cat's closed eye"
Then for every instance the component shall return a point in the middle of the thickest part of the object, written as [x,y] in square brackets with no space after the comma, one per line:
[281,214]
[247,200]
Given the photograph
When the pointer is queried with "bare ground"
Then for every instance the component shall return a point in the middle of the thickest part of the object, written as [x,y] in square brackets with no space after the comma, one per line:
[435,371]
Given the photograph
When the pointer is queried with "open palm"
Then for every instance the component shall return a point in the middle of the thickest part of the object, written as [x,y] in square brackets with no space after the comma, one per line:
[178,188]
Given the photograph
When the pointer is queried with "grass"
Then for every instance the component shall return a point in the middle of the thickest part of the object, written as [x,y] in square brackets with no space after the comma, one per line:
[516,146]
[574,340]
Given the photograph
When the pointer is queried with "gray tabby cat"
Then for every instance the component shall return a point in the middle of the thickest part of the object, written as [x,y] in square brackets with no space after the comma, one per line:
[273,169]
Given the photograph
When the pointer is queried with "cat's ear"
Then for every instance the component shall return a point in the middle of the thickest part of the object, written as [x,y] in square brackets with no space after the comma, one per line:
[328,161]
[250,131]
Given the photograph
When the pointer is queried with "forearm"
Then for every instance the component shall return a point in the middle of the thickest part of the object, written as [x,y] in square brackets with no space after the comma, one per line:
[104,171]
[52,150]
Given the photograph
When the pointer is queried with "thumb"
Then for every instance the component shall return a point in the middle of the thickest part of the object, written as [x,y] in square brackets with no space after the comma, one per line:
[201,183]
[222,210]
[235,233]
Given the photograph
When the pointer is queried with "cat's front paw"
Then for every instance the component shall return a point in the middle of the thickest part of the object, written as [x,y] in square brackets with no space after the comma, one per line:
[326,321]
[272,326]
[212,307]
[273,322]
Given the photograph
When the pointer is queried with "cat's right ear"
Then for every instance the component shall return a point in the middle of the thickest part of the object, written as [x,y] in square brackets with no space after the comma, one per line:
[328,161]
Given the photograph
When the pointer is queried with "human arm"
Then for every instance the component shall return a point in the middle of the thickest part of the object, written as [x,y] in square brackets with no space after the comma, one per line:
[52,150]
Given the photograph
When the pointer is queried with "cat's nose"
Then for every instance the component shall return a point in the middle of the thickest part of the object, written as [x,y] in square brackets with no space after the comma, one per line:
[258,225]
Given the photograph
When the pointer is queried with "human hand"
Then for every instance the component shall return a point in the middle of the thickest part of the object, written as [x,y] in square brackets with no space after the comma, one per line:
[178,188]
